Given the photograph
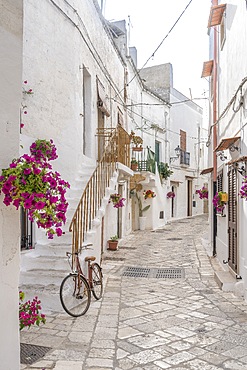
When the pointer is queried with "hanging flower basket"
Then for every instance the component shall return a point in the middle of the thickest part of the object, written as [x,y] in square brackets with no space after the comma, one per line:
[149,194]
[137,140]
[218,202]
[243,190]
[30,183]
[170,194]
[117,200]
[203,193]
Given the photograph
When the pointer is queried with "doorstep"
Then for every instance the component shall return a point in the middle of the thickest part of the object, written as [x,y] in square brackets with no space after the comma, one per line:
[225,280]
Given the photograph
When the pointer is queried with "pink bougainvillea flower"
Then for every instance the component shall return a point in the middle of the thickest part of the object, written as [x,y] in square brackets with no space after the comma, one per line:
[25,82]
[22,125]
[25,112]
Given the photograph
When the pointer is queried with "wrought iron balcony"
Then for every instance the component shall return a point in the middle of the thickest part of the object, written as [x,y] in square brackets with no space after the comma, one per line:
[184,157]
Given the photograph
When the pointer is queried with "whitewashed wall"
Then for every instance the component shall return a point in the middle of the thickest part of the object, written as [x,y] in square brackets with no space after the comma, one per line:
[186,116]
[58,47]
[232,70]
[148,117]
[10,99]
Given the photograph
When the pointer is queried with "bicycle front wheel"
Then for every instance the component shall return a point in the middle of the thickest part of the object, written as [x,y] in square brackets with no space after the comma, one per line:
[97,281]
[75,295]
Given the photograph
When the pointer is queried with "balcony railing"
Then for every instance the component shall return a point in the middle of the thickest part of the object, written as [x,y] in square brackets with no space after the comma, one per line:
[184,157]
[145,160]
[117,150]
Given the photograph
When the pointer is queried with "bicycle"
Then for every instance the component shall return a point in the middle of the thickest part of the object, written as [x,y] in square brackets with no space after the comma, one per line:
[76,288]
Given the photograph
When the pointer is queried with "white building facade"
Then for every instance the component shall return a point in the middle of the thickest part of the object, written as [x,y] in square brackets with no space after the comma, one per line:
[227,70]
[184,132]
[11,20]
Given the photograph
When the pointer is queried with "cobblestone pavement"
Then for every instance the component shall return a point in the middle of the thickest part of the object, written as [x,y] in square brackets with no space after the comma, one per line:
[149,323]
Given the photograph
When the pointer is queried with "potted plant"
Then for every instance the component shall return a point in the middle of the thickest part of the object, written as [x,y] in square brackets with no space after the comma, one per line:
[149,194]
[137,140]
[164,170]
[142,218]
[203,193]
[170,194]
[134,164]
[117,200]
[113,243]
[29,182]
[243,190]
[218,203]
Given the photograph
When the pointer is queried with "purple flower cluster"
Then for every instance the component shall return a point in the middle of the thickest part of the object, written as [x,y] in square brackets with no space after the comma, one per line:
[243,190]
[217,202]
[30,183]
[117,200]
[203,193]
[44,150]
[29,312]
[170,194]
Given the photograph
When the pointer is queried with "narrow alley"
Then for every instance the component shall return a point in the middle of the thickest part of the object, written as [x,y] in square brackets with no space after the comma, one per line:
[147,320]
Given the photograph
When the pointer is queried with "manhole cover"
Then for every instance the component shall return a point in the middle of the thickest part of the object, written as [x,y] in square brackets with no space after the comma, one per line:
[136,272]
[174,239]
[31,353]
[156,273]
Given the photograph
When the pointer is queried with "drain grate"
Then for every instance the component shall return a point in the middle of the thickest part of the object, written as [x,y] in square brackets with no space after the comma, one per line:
[136,272]
[31,353]
[170,273]
[174,239]
[156,273]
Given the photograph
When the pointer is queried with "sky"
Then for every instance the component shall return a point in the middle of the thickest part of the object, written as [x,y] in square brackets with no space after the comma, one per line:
[186,46]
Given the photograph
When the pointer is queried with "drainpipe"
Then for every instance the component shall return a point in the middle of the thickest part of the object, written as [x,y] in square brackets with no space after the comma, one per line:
[215,116]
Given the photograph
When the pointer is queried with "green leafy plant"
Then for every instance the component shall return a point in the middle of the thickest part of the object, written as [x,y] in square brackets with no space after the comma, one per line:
[137,140]
[141,208]
[134,161]
[114,238]
[164,170]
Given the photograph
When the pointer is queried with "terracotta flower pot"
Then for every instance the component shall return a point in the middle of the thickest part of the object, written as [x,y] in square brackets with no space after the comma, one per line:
[112,245]
[134,167]
[137,148]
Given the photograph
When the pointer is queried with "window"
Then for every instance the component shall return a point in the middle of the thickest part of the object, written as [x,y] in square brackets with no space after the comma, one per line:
[220,182]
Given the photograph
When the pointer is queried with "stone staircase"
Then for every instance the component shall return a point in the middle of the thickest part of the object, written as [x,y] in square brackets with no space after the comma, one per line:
[43,268]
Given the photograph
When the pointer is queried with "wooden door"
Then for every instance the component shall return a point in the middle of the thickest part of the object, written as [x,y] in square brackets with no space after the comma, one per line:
[189,198]
[232,220]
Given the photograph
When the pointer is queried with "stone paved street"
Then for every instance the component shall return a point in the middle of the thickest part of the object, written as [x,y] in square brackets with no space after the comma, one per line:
[149,323]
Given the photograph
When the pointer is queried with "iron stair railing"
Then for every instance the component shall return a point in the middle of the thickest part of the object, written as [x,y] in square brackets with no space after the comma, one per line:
[117,150]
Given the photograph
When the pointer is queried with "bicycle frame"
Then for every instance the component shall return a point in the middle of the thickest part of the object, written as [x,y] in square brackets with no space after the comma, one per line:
[77,270]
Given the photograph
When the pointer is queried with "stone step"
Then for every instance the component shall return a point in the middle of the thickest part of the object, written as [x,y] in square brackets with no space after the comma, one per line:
[225,280]
[43,276]
[29,261]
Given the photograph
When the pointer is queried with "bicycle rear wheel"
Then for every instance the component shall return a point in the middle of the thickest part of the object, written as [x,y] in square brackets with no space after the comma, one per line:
[97,281]
[75,295]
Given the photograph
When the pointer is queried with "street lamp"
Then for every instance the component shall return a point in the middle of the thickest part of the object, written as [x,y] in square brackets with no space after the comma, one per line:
[177,151]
